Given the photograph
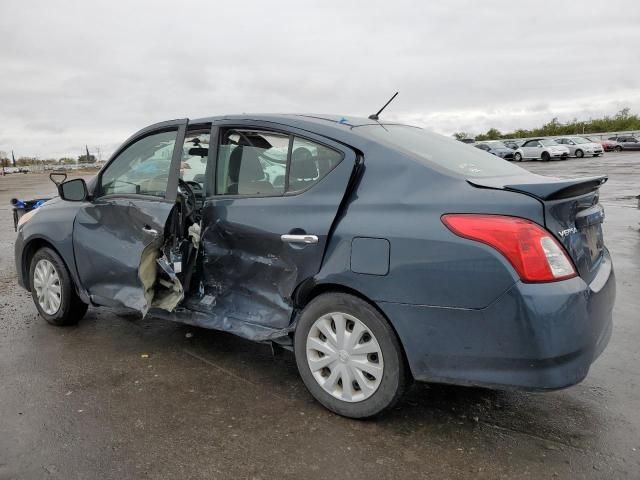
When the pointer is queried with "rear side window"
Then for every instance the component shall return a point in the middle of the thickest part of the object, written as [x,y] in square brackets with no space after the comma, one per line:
[310,162]
[259,162]
[430,148]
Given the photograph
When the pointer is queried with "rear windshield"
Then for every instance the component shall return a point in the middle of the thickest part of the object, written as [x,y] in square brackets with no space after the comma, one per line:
[580,140]
[496,144]
[431,148]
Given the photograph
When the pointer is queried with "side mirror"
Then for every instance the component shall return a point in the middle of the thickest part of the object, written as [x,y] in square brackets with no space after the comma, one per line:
[73,190]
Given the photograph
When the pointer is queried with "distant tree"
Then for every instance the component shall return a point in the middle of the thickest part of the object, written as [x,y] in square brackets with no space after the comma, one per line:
[622,121]
[494,134]
[520,133]
[461,135]
[66,161]
[622,114]
[87,159]
[24,161]
[4,159]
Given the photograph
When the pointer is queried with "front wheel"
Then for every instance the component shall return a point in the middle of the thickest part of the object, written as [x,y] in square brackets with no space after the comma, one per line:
[579,153]
[545,156]
[349,356]
[517,157]
[618,148]
[52,289]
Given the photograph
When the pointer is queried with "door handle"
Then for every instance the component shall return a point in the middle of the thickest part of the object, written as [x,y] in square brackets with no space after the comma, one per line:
[309,239]
[149,230]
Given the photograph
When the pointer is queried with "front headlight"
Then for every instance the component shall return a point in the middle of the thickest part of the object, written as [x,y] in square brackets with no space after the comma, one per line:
[26,217]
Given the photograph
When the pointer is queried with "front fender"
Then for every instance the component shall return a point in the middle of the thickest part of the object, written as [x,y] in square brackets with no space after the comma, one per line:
[51,226]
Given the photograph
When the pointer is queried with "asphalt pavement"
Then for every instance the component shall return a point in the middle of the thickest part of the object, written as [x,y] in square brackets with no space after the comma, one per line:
[121,397]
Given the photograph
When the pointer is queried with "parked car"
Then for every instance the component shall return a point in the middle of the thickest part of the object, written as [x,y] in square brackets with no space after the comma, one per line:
[497,148]
[580,146]
[512,144]
[541,149]
[388,253]
[607,145]
[627,142]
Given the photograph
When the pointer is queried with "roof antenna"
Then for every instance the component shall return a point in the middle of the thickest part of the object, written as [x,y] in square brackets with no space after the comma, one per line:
[375,116]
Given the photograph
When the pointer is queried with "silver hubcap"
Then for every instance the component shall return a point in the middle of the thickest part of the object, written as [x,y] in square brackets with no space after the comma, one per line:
[46,283]
[344,357]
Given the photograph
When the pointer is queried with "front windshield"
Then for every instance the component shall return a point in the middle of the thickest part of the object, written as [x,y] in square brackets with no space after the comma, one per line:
[430,148]
[580,140]
[548,143]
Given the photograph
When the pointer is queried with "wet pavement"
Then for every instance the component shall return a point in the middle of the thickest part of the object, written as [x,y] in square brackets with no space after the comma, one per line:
[120,397]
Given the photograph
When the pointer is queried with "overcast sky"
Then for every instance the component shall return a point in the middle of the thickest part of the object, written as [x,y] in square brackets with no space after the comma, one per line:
[96,71]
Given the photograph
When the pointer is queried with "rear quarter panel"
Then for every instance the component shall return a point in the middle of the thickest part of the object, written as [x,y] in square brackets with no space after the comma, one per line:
[402,200]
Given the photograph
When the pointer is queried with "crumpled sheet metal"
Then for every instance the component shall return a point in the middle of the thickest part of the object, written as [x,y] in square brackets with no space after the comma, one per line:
[148,274]
[237,291]
[250,331]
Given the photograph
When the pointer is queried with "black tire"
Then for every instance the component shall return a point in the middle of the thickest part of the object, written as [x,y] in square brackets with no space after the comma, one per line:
[545,156]
[597,155]
[618,148]
[579,153]
[394,377]
[517,157]
[71,308]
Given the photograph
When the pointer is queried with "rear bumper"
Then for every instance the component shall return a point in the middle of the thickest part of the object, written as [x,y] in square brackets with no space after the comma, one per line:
[534,337]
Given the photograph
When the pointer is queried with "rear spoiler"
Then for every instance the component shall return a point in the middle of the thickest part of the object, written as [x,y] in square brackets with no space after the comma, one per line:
[544,188]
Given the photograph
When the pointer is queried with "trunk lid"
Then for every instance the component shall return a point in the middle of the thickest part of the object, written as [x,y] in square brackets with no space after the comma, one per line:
[572,213]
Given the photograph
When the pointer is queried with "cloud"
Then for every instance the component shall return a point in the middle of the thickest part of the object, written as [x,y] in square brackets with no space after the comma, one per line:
[94,72]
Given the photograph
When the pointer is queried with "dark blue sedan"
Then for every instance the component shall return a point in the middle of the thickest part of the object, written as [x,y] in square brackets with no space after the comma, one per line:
[379,253]
[497,148]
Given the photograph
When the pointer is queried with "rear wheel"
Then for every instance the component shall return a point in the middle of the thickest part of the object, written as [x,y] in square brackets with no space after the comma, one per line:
[579,153]
[545,156]
[348,356]
[52,289]
[517,157]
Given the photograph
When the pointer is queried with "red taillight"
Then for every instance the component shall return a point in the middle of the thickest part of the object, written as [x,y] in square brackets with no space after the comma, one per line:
[533,252]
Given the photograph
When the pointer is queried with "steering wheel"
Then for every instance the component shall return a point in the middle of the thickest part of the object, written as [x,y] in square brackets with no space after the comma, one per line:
[190,197]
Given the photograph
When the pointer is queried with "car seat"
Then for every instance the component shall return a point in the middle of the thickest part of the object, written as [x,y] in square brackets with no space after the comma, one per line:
[246,173]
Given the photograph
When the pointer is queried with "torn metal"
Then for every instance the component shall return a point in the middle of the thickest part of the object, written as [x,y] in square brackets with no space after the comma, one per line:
[194,275]
[220,320]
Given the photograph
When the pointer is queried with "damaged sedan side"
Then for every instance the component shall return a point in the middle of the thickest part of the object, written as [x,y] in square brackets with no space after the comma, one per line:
[377,252]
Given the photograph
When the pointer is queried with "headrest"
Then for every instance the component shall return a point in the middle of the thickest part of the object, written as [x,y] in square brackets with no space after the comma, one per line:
[302,164]
[244,165]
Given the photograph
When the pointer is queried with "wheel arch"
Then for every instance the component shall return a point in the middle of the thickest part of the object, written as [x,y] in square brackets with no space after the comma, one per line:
[28,253]
[305,293]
